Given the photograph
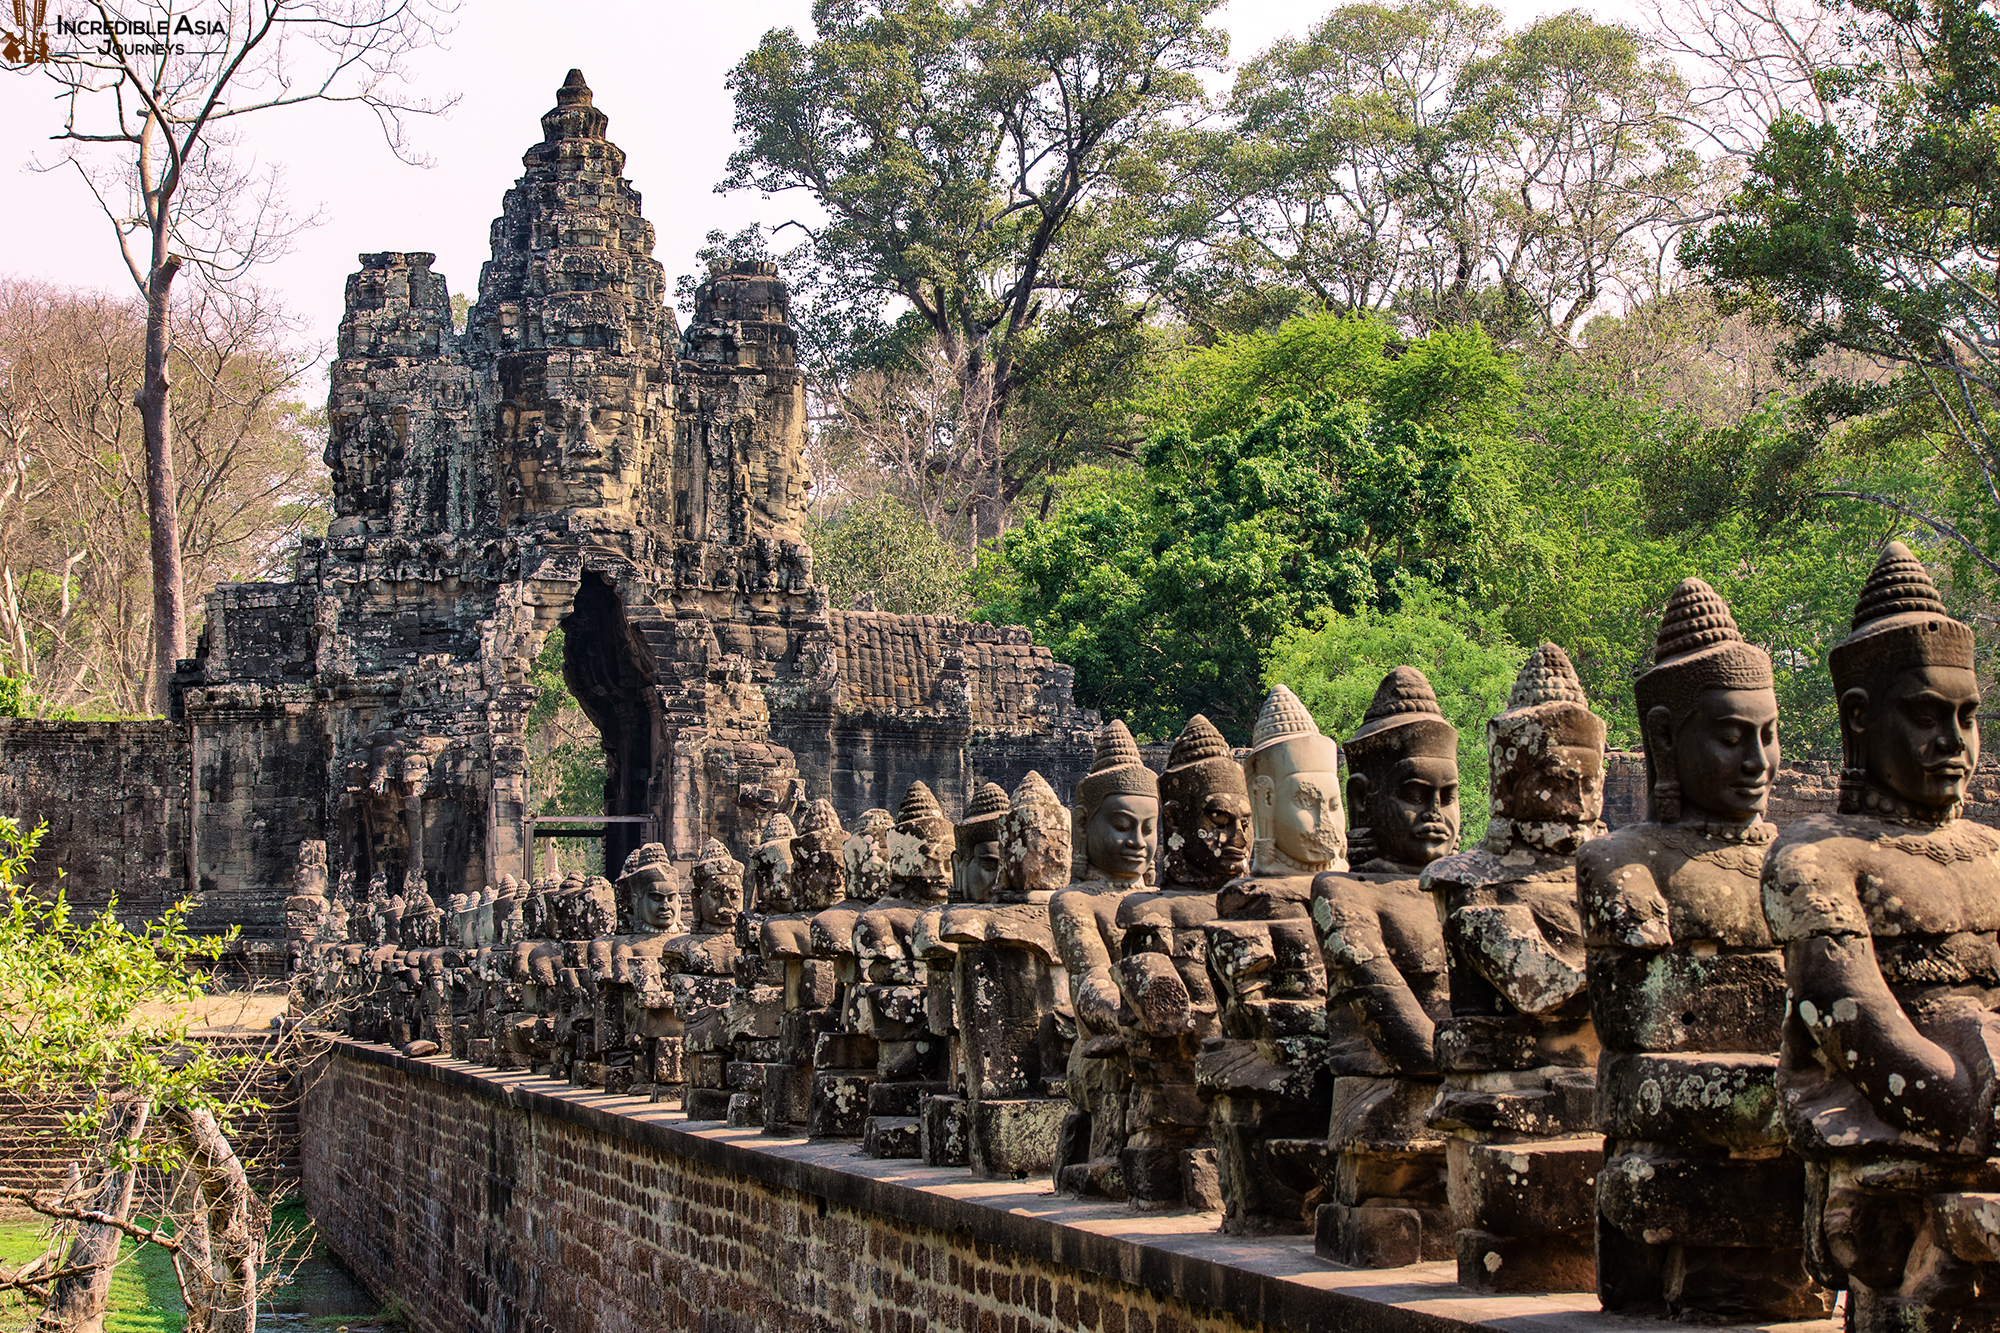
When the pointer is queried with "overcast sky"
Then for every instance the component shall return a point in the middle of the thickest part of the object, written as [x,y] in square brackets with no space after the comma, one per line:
[657,70]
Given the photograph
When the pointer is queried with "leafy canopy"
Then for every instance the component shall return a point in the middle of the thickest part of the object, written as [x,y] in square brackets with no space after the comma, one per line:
[1254,511]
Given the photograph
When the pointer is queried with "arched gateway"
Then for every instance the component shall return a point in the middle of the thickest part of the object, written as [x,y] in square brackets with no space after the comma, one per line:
[573,460]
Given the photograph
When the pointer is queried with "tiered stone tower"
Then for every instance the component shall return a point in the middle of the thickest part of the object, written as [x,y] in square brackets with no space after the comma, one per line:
[574,461]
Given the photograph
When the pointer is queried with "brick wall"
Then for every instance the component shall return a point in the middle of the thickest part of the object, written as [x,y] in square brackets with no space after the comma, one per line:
[482,1215]
[495,1202]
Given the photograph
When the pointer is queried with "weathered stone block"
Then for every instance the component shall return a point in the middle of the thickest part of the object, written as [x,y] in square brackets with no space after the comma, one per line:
[892,1137]
[1383,1236]
[1655,1195]
[944,1123]
[1563,1261]
[839,1103]
[1015,1137]
[1526,1188]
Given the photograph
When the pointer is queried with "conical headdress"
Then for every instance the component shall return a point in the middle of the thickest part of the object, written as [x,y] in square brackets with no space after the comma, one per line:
[819,817]
[1698,648]
[1281,718]
[1899,623]
[715,856]
[1547,677]
[646,857]
[982,816]
[1034,792]
[778,828]
[1285,721]
[1200,762]
[1547,706]
[918,803]
[1117,771]
[1403,719]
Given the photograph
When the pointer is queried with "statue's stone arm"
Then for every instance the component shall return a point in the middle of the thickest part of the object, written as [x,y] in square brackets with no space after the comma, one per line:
[1838,993]
[1621,905]
[1397,1024]
[1505,943]
[1087,958]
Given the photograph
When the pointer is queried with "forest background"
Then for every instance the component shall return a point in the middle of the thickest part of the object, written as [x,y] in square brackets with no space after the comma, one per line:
[1415,338]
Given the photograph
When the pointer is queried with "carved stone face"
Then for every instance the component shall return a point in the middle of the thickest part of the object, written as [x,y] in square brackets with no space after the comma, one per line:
[1208,839]
[1920,739]
[1295,799]
[978,872]
[1549,774]
[1413,813]
[718,899]
[653,907]
[1722,753]
[1118,837]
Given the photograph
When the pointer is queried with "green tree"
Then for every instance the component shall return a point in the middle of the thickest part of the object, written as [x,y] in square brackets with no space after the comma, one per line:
[1417,157]
[1335,664]
[1166,588]
[98,1015]
[990,165]
[880,555]
[566,764]
[1873,228]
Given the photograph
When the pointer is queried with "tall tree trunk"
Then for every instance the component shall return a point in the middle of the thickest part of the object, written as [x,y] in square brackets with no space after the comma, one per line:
[163,517]
[78,1303]
[223,1242]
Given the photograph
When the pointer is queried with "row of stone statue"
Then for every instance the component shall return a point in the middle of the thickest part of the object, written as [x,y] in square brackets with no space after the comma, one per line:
[1712,1070]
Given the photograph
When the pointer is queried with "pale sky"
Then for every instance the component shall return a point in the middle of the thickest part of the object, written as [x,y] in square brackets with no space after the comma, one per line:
[657,70]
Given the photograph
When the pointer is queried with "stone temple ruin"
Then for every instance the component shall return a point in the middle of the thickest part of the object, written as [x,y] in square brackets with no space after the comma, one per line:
[923,1001]
[572,460]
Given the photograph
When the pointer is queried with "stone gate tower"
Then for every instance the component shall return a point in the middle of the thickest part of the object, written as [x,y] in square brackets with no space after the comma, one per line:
[571,460]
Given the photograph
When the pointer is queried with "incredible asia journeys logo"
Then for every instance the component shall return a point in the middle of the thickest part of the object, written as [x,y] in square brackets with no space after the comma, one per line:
[33,40]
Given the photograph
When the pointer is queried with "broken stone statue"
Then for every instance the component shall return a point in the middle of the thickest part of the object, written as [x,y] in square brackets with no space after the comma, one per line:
[1518,1055]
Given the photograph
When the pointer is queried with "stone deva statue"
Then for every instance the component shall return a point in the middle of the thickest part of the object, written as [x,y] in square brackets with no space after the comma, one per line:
[757,1000]
[975,878]
[1005,975]
[1698,1204]
[635,998]
[705,987]
[1265,1079]
[818,878]
[843,1057]
[1113,819]
[1387,985]
[1889,916]
[1518,1054]
[1167,1006]
[910,1063]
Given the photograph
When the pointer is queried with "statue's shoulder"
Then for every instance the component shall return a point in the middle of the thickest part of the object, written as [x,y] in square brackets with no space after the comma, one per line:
[1809,878]
[1473,868]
